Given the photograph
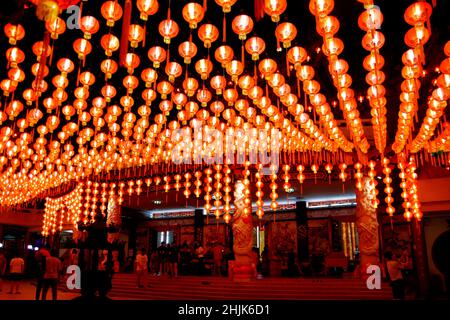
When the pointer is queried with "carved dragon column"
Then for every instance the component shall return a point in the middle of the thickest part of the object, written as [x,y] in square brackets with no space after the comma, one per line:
[367,226]
[243,269]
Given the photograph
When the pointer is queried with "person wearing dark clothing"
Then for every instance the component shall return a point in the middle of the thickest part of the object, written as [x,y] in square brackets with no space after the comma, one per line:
[265,262]
[172,257]
[53,269]
[41,256]
[292,265]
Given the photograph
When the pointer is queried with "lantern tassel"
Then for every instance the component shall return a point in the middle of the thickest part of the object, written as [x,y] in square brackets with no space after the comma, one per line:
[243,55]
[145,35]
[287,66]
[259,9]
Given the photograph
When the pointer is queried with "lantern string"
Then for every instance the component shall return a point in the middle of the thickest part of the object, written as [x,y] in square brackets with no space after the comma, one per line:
[125,32]
[145,35]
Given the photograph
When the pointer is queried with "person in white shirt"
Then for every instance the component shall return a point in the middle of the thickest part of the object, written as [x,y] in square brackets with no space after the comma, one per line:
[16,270]
[141,268]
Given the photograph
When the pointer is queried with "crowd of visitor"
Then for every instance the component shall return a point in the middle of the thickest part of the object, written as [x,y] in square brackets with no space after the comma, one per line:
[168,260]
[48,272]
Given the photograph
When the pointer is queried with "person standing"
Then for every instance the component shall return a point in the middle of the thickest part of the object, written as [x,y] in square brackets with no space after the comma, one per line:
[3,265]
[16,271]
[53,268]
[217,255]
[395,275]
[141,268]
[41,256]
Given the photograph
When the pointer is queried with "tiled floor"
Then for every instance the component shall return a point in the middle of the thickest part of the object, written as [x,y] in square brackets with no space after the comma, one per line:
[27,292]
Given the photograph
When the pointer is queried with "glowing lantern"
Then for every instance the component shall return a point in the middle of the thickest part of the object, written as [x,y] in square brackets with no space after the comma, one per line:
[234,68]
[218,83]
[246,83]
[56,27]
[173,70]
[129,82]
[109,43]
[82,47]
[193,14]
[418,13]
[179,99]
[13,109]
[321,8]
[255,46]
[224,54]
[190,85]
[226,4]
[204,96]
[168,29]
[187,51]
[273,187]
[285,33]
[147,8]
[164,88]
[328,26]
[157,55]
[14,56]
[135,35]
[68,111]
[127,102]
[203,68]
[108,67]
[87,79]
[242,25]
[14,32]
[132,61]
[149,76]
[109,92]
[267,67]
[208,33]
[274,8]
[89,25]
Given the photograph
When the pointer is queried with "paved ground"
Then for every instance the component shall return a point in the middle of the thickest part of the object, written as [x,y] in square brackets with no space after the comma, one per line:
[27,292]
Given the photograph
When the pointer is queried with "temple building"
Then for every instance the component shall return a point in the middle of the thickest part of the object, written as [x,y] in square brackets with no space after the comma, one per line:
[232,144]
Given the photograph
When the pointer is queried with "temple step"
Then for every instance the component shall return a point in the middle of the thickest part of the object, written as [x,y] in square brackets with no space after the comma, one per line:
[216,288]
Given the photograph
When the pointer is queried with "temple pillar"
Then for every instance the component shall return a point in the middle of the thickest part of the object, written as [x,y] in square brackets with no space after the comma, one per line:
[367,227]
[199,223]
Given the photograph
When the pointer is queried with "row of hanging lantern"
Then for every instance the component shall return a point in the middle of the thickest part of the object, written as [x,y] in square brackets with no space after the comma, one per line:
[305,73]
[413,59]
[327,26]
[370,21]
[91,198]
[66,208]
